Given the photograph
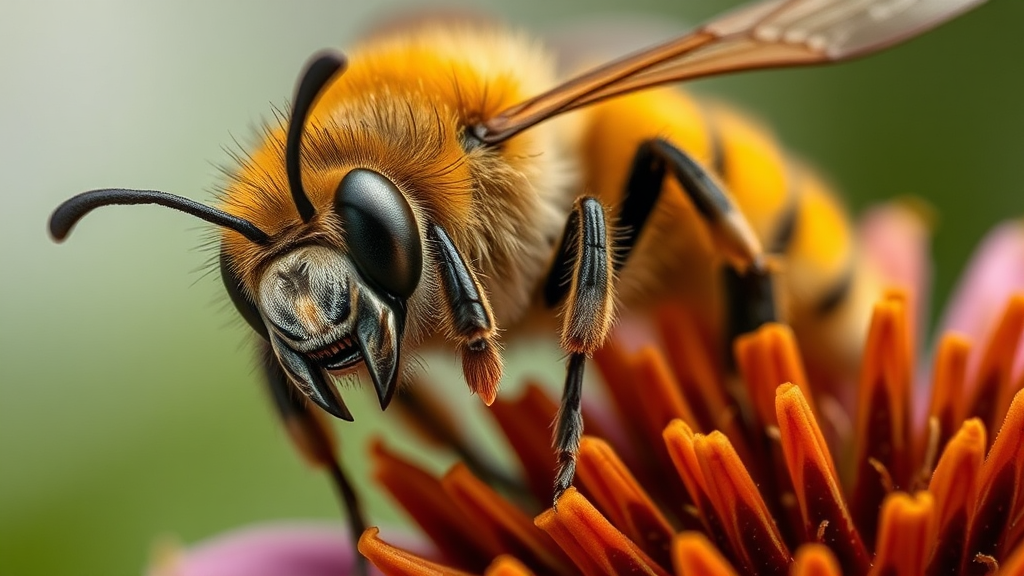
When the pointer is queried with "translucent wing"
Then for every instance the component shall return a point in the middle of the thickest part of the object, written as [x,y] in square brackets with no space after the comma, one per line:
[766,34]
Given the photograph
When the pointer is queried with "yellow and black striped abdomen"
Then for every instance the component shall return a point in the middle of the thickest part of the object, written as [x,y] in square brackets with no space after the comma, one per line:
[825,289]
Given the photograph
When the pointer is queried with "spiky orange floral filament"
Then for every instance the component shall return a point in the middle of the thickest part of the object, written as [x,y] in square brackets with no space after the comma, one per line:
[617,493]
[592,542]
[992,389]
[814,560]
[882,454]
[954,485]
[826,518]
[903,545]
[695,555]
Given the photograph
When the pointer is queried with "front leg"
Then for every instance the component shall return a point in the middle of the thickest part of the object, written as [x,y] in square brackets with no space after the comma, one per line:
[468,318]
[582,276]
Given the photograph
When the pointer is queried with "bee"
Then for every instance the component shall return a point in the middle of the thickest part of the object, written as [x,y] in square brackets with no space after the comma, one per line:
[441,188]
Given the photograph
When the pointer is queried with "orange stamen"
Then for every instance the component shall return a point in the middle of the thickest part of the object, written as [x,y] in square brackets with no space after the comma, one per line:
[656,400]
[694,555]
[949,373]
[393,561]
[618,495]
[954,485]
[505,525]
[815,560]
[767,358]
[1000,485]
[592,542]
[748,524]
[660,398]
[679,438]
[1014,564]
[882,416]
[992,389]
[507,566]
[523,423]
[690,360]
[813,473]
[423,498]
[903,545]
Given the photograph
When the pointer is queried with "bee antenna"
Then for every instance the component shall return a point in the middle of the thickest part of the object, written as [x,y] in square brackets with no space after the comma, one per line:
[72,210]
[321,68]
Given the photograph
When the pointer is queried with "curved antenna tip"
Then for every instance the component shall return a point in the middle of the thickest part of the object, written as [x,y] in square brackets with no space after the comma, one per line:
[75,208]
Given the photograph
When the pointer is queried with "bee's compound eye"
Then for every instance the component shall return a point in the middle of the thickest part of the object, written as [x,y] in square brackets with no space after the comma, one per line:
[380,228]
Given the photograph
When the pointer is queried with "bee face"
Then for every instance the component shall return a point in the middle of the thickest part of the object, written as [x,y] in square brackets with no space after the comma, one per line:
[321,315]
[325,308]
[306,298]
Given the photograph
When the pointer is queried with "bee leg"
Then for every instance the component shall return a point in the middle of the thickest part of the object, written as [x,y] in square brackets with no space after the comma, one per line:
[584,259]
[469,317]
[312,437]
[748,283]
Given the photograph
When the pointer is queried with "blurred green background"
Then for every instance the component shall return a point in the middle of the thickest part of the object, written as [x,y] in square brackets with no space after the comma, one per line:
[129,405]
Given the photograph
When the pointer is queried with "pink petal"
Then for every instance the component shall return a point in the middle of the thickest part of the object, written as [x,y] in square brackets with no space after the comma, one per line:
[995,272]
[895,239]
[264,550]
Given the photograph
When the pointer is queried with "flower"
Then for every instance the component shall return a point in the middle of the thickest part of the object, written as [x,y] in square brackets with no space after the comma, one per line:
[696,472]
[689,470]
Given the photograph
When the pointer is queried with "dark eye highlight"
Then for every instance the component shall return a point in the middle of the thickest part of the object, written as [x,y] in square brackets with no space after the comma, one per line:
[381,231]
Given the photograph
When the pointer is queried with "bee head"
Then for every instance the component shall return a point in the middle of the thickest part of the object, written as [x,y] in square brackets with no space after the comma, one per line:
[323,308]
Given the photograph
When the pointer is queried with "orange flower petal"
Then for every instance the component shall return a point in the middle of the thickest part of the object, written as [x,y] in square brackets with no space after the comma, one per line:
[767,358]
[753,535]
[690,359]
[524,423]
[592,542]
[423,498]
[507,566]
[615,364]
[392,561]
[695,555]
[619,496]
[882,414]
[903,545]
[815,560]
[651,399]
[660,396]
[954,485]
[512,531]
[679,438]
[1000,485]
[1014,565]
[949,372]
[817,485]
[992,388]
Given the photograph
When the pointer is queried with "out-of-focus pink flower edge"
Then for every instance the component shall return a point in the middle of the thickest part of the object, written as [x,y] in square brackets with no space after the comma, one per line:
[272,549]
[895,240]
[995,272]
